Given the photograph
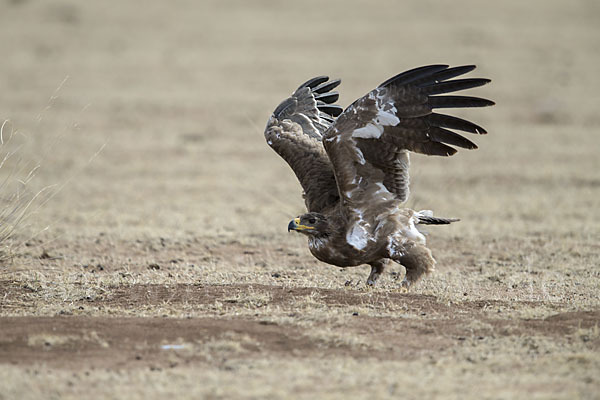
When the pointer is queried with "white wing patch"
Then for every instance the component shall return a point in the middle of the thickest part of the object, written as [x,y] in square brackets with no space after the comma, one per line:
[386,116]
[370,131]
[357,237]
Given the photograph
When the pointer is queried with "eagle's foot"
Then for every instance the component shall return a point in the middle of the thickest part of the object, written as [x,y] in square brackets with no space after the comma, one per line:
[418,261]
[412,277]
[377,268]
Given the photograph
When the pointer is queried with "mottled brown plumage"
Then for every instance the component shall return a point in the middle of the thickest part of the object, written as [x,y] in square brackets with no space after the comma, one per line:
[353,165]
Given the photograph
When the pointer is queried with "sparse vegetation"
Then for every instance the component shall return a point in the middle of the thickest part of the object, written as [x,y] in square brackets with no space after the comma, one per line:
[17,200]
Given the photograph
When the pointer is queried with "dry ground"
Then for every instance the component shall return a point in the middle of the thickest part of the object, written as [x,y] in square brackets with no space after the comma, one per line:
[161,265]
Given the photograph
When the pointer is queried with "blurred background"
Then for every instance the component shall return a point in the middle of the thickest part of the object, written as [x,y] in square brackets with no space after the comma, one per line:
[148,116]
[140,125]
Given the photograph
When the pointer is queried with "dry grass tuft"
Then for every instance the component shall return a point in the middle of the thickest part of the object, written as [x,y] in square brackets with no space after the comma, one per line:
[18,201]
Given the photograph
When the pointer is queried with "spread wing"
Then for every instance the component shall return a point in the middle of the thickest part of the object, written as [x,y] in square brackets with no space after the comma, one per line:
[295,131]
[369,143]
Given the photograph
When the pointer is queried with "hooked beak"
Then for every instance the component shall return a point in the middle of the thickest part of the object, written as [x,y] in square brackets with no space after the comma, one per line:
[293,225]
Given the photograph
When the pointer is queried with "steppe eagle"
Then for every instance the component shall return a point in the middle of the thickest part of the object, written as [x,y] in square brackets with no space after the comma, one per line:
[353,163]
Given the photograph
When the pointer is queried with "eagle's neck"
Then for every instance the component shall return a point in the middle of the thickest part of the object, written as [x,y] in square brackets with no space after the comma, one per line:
[318,242]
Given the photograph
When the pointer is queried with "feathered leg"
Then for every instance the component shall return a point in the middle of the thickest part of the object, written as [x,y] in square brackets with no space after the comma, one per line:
[417,260]
[377,268]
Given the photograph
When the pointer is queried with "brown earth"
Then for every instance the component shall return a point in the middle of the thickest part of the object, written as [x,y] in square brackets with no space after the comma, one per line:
[78,343]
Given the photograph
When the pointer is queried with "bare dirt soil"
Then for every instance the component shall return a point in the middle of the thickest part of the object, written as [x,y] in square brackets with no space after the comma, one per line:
[155,262]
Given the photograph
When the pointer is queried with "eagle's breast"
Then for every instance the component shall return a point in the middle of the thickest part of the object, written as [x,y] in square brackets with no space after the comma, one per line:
[335,251]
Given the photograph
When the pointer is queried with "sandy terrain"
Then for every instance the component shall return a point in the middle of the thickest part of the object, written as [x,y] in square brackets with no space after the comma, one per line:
[155,262]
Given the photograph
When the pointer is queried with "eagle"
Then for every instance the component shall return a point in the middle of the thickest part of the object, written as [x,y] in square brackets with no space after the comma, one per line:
[353,164]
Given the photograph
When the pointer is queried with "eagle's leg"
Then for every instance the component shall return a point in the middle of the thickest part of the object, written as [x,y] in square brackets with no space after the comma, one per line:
[377,268]
[417,260]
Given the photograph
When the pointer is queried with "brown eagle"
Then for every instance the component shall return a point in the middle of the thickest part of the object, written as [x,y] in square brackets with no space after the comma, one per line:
[353,163]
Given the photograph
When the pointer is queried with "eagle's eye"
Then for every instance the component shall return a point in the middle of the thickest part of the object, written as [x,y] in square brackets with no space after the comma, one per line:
[312,220]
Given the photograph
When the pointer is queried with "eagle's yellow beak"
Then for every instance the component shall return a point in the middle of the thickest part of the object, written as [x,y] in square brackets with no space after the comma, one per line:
[294,225]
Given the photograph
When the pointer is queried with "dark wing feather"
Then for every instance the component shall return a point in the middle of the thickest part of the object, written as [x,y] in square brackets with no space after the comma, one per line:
[295,131]
[327,86]
[453,86]
[458,101]
[412,75]
[314,82]
[327,98]
[369,143]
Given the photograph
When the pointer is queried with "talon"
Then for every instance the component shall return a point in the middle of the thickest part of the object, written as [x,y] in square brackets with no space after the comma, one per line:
[405,285]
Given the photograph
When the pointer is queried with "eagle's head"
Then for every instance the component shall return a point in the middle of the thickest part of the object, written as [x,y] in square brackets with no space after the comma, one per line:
[311,224]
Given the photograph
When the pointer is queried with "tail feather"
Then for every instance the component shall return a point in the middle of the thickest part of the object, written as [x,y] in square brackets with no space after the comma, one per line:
[426,217]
